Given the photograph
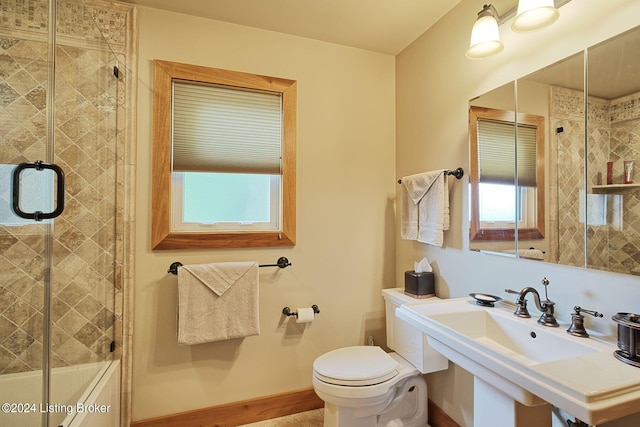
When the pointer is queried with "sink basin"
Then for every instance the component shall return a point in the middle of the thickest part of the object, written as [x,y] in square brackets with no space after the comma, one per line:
[530,363]
[511,337]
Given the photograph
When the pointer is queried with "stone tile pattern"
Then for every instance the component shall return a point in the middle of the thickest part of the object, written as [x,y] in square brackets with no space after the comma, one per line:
[624,244]
[567,112]
[598,141]
[314,418]
[614,135]
[74,20]
[86,236]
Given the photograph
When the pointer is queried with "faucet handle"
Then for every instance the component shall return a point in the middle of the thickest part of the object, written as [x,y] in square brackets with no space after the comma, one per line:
[577,322]
[579,310]
[511,291]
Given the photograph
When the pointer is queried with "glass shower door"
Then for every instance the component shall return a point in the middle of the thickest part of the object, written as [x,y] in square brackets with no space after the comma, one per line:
[25,268]
[57,275]
[84,238]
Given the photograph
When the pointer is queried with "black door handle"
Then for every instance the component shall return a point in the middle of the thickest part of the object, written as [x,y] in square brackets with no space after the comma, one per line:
[15,197]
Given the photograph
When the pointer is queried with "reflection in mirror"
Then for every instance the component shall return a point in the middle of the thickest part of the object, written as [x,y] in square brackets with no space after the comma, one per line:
[490,219]
[556,92]
[613,217]
[592,216]
[505,201]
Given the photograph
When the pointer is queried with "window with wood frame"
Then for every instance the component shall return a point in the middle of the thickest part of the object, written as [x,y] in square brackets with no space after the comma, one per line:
[506,178]
[223,158]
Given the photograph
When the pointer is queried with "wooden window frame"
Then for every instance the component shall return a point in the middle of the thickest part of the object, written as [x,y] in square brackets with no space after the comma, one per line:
[162,237]
[477,233]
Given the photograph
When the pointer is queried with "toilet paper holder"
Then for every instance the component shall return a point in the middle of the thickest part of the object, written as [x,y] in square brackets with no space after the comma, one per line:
[287,311]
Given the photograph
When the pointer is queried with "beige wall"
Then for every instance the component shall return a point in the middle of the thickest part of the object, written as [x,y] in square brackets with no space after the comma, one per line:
[346,188]
[434,82]
[345,251]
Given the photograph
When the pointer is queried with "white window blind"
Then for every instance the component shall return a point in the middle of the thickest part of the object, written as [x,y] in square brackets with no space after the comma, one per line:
[497,153]
[221,129]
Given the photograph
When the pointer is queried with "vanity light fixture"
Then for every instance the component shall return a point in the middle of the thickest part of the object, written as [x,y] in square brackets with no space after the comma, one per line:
[529,15]
[485,36]
[534,14]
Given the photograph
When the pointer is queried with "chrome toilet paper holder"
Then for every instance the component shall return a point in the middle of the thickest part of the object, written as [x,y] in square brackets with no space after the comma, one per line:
[287,311]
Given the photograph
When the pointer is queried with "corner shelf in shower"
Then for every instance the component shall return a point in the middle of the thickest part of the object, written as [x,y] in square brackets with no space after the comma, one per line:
[613,188]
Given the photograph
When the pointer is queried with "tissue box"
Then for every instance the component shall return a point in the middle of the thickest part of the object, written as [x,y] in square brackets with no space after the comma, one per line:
[419,285]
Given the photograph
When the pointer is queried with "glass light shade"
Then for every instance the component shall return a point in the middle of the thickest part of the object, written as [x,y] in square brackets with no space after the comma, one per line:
[534,14]
[485,38]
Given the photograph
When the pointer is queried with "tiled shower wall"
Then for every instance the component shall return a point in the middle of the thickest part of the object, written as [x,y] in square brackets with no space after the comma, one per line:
[614,135]
[567,113]
[624,244]
[88,237]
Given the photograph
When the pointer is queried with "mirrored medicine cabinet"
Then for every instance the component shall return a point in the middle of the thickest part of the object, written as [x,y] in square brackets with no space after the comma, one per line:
[539,186]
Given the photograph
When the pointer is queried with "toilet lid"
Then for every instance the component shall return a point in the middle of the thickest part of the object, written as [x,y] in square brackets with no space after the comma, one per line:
[355,366]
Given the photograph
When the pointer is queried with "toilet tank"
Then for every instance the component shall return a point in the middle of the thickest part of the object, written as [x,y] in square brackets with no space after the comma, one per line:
[407,341]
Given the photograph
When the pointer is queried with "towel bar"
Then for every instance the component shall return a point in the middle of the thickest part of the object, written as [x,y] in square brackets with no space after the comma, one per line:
[282,262]
[287,311]
[458,173]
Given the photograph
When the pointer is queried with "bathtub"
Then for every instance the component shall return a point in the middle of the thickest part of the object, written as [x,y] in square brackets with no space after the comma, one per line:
[81,395]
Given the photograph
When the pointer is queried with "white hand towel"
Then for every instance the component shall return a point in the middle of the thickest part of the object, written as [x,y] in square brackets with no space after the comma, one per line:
[217,302]
[531,253]
[425,207]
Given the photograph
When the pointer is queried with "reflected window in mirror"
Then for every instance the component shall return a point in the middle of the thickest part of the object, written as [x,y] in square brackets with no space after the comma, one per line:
[223,157]
[506,179]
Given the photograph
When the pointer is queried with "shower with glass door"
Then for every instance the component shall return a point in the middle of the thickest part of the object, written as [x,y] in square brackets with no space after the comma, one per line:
[59,207]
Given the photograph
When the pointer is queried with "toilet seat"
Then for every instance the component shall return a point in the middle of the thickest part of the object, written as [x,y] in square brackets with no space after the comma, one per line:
[356,366]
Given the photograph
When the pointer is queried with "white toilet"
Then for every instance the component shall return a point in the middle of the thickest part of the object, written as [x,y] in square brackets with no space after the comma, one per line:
[362,386]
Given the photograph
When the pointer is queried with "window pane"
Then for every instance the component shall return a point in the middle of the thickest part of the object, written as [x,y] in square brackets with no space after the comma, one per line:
[225,197]
[497,202]
[37,189]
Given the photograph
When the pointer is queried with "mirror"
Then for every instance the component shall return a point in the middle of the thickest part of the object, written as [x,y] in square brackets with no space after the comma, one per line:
[587,220]
[506,202]
[613,136]
[557,93]
[491,218]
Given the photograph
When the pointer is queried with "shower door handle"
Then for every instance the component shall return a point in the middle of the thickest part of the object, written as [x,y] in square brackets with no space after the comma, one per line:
[38,215]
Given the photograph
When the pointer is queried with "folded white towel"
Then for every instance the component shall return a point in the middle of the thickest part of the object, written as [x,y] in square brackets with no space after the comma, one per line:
[425,207]
[217,302]
[531,253]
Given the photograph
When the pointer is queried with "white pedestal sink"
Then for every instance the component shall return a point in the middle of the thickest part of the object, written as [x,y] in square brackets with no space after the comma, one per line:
[520,367]
[492,407]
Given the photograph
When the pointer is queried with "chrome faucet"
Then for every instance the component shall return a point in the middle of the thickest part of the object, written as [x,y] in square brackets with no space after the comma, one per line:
[546,307]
